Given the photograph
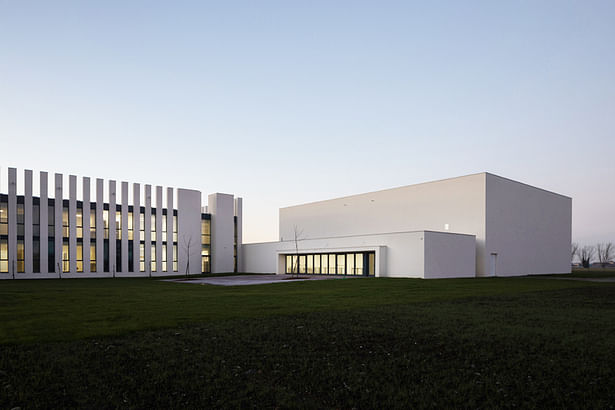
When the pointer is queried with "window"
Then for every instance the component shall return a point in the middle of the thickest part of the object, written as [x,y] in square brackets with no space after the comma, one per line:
[174,228]
[4,217]
[65,227]
[79,256]
[205,268]
[36,220]
[175,258]
[341,264]
[142,257]
[106,223]
[79,221]
[372,264]
[205,231]
[118,224]
[359,264]
[351,263]
[93,223]
[205,244]
[317,264]
[164,227]
[141,227]
[153,226]
[65,257]
[164,259]
[51,232]
[130,226]
[4,255]
[92,256]
[153,259]
[21,256]
[325,264]
[51,225]
[131,262]
[36,255]
[331,264]
[51,255]
[20,219]
[106,255]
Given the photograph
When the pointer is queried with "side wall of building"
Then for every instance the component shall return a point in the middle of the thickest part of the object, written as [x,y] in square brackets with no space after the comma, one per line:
[528,229]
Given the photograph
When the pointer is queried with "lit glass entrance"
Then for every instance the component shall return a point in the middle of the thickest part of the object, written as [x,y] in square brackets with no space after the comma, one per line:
[347,263]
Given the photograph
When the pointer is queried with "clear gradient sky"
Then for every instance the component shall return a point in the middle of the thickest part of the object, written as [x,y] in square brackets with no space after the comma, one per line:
[285,102]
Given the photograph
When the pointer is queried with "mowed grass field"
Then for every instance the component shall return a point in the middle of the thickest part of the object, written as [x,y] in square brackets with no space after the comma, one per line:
[348,343]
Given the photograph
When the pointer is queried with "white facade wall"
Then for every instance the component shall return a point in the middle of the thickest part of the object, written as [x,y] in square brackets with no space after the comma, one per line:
[222,209]
[86,225]
[528,229]
[189,238]
[189,230]
[456,203]
[44,221]
[519,229]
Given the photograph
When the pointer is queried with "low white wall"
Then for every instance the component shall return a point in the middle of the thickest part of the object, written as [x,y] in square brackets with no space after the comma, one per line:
[399,254]
[449,256]
[260,257]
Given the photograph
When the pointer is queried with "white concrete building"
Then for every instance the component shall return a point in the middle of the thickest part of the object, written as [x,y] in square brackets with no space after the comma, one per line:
[475,225]
[110,230]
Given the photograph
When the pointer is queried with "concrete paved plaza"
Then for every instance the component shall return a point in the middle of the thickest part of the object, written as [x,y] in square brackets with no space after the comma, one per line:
[242,280]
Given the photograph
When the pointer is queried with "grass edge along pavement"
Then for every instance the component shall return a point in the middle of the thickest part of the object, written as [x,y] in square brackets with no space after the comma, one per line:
[69,309]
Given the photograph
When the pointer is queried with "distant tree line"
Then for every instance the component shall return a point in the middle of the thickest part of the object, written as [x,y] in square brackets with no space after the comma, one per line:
[603,252]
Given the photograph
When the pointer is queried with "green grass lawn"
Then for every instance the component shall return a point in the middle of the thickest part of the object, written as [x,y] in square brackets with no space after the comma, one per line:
[362,343]
[592,273]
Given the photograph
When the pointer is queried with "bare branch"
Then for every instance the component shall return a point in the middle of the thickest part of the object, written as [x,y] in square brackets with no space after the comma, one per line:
[574,249]
[298,236]
[605,253]
[586,254]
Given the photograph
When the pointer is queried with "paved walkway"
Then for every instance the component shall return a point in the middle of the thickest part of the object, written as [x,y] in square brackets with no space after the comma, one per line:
[586,279]
[242,280]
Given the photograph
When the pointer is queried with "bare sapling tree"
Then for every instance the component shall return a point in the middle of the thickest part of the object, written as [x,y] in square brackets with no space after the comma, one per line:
[297,235]
[574,250]
[586,254]
[189,247]
[605,252]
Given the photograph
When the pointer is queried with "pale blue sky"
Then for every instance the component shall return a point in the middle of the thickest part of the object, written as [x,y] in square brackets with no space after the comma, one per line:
[288,102]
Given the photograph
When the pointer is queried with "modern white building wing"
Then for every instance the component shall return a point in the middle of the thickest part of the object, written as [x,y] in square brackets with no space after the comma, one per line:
[113,229]
[475,225]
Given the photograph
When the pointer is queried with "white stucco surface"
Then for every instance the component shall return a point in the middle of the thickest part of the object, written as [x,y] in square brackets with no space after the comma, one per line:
[527,227]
